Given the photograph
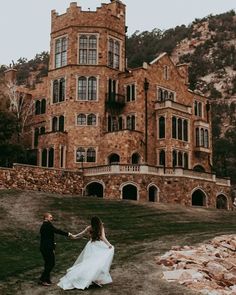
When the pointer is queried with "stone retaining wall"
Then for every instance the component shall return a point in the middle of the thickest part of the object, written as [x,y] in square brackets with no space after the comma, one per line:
[171,189]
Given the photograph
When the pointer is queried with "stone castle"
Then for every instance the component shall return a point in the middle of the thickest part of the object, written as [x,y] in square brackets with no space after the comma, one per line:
[136,134]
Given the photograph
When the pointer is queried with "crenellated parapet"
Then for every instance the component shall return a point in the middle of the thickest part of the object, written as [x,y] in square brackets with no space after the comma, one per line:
[111,15]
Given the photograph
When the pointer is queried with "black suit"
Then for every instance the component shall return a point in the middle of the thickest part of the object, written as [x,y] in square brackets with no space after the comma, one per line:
[47,247]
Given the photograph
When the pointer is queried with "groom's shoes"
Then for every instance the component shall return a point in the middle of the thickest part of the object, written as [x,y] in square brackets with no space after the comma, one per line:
[46,284]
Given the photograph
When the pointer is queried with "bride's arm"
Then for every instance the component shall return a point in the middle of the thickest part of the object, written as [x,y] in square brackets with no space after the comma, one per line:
[79,235]
[104,239]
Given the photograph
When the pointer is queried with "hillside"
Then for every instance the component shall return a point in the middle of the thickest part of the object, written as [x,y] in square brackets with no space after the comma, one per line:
[139,232]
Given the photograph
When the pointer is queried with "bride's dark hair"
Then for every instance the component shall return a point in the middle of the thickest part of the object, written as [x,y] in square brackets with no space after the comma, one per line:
[96,225]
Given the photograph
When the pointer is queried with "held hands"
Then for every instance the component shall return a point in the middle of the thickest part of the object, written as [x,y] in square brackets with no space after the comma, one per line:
[71,236]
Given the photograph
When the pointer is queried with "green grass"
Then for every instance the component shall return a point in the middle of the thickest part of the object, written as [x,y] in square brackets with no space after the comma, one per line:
[129,226]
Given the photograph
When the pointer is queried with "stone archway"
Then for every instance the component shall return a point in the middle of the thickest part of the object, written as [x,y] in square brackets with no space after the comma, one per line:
[153,193]
[113,158]
[198,198]
[135,159]
[94,189]
[129,192]
[221,202]
[199,168]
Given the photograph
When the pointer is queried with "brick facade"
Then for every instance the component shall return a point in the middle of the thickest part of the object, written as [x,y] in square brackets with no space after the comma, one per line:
[100,113]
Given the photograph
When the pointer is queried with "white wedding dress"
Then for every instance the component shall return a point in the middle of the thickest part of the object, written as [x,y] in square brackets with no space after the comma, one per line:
[92,265]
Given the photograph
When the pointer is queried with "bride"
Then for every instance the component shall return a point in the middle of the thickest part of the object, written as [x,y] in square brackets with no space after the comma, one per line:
[94,262]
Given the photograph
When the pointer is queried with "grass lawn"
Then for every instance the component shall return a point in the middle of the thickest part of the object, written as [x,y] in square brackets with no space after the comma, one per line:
[139,232]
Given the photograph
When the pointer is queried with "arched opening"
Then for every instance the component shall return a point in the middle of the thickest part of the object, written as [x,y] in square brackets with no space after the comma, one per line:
[94,189]
[198,198]
[129,192]
[113,158]
[152,194]
[198,168]
[221,202]
[135,158]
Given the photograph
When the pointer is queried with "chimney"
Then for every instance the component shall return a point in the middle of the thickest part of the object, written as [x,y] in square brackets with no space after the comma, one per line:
[183,71]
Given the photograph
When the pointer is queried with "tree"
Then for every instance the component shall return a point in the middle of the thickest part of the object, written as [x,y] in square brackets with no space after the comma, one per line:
[21,105]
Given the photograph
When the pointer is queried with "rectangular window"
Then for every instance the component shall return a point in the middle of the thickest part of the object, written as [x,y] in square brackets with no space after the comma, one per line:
[114,53]
[87,88]
[60,52]
[130,92]
[88,49]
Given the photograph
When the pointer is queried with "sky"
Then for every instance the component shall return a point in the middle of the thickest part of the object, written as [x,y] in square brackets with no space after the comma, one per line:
[25,24]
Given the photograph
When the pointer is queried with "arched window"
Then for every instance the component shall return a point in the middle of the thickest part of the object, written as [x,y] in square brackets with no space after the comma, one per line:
[36,137]
[61,123]
[55,91]
[185,160]
[135,158]
[43,106]
[133,122]
[171,96]
[82,88]
[174,133]
[92,52]
[180,159]
[202,137]
[121,123]
[80,155]
[51,157]
[116,55]
[42,130]
[62,89]
[195,108]
[197,137]
[109,124]
[174,158]
[200,109]
[162,127]
[91,155]
[128,93]
[166,95]
[54,124]
[92,88]
[92,119]
[160,95]
[185,130]
[81,119]
[180,136]
[129,122]
[162,158]
[44,158]
[206,139]
[37,107]
[83,45]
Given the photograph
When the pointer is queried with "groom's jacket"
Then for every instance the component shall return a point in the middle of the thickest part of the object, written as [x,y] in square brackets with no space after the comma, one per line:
[47,231]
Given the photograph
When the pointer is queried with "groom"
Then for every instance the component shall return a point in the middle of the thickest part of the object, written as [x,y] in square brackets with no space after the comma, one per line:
[47,246]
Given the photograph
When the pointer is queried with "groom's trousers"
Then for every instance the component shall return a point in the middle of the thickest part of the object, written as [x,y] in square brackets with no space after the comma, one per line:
[49,263]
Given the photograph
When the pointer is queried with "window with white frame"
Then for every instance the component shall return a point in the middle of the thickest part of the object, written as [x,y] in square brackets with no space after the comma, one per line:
[180,128]
[60,52]
[130,92]
[202,137]
[180,159]
[114,53]
[165,94]
[58,123]
[87,155]
[87,88]
[88,49]
[166,73]
[58,90]
[86,120]
[198,108]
